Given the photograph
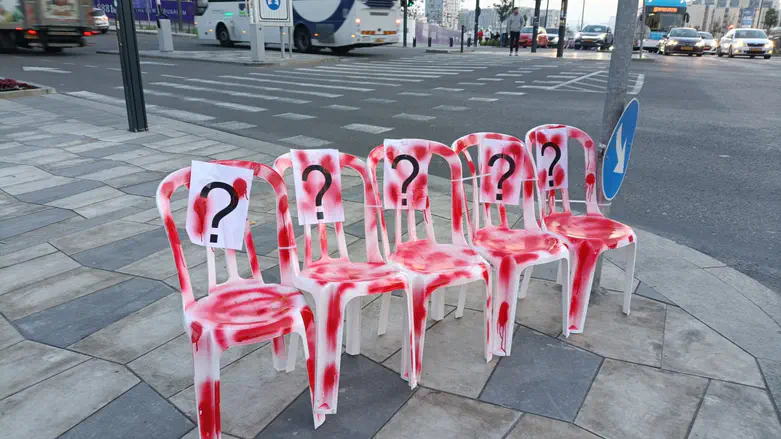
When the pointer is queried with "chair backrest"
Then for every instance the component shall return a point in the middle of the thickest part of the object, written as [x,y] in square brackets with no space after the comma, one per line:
[550,143]
[312,196]
[506,174]
[288,259]
[405,186]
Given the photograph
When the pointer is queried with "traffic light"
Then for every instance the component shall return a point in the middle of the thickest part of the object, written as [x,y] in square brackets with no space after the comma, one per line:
[407,3]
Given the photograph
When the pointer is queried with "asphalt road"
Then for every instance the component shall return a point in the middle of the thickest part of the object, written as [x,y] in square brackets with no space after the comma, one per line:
[705,164]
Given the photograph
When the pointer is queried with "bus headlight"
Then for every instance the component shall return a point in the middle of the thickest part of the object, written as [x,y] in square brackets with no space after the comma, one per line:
[357,21]
[398,21]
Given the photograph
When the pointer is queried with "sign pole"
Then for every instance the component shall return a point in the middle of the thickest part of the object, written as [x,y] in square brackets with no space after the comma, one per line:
[131,67]
[562,29]
[406,4]
[536,24]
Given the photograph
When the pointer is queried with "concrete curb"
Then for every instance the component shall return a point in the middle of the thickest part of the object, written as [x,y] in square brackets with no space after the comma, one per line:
[171,56]
[448,50]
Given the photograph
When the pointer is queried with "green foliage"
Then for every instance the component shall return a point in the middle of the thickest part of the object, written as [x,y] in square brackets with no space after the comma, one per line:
[771,18]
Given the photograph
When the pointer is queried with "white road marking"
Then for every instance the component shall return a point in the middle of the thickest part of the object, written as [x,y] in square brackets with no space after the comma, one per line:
[232,125]
[415,117]
[232,93]
[490,79]
[342,74]
[638,84]
[419,67]
[520,82]
[537,81]
[511,93]
[229,105]
[364,128]
[114,69]
[414,93]
[305,141]
[561,77]
[157,63]
[514,75]
[318,77]
[342,107]
[372,74]
[167,112]
[448,89]
[173,76]
[483,99]
[260,87]
[471,83]
[380,69]
[297,84]
[294,116]
[90,66]
[380,101]
[451,108]
[45,69]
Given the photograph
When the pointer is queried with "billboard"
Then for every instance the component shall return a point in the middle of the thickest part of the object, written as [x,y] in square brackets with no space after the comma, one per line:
[143,7]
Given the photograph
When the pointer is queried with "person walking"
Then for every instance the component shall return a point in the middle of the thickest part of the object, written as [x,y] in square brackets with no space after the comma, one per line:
[480,37]
[514,24]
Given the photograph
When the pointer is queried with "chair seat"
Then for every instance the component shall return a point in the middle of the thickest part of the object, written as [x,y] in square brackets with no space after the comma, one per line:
[589,227]
[247,302]
[500,242]
[343,270]
[424,256]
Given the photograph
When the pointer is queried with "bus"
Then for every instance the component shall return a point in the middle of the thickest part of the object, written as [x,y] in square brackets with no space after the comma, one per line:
[657,18]
[340,25]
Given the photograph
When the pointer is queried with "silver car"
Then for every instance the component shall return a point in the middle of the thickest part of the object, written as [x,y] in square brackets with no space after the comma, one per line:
[709,43]
[100,20]
[745,42]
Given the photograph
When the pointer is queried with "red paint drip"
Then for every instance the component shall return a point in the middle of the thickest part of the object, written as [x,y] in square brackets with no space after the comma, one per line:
[200,207]
[240,186]
[209,409]
[591,179]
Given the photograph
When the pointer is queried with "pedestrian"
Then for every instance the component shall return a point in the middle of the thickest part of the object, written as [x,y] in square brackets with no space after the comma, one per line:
[514,23]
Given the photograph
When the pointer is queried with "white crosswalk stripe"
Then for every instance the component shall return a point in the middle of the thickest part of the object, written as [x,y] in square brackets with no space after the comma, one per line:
[345,74]
[471,83]
[490,79]
[229,105]
[261,87]
[232,93]
[414,93]
[377,74]
[187,116]
[342,107]
[294,116]
[451,108]
[380,100]
[511,93]
[298,83]
[479,99]
[364,128]
[448,89]
[305,141]
[415,117]
[319,77]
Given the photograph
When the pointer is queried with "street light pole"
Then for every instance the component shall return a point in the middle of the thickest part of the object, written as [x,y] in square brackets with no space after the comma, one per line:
[536,24]
[477,18]
[582,15]
[547,3]
[406,3]
[562,29]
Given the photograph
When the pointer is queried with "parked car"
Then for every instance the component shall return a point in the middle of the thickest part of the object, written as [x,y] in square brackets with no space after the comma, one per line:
[553,36]
[745,42]
[594,36]
[100,20]
[774,35]
[526,37]
[709,43]
[684,40]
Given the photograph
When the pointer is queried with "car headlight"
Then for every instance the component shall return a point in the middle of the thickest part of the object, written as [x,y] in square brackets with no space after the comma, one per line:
[700,43]
[578,35]
[740,43]
[769,45]
[672,42]
[602,36]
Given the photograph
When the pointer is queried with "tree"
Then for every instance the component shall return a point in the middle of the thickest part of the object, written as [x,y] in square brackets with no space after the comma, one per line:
[503,9]
[416,12]
[715,26]
[771,18]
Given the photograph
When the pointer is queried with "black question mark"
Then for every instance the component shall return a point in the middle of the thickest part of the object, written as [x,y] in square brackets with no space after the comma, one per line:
[555,159]
[412,175]
[227,210]
[506,175]
[323,190]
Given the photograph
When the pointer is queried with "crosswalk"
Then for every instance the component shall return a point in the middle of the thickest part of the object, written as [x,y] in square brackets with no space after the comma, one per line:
[358,96]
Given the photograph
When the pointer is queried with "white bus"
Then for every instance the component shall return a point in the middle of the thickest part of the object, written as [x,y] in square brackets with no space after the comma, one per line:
[340,25]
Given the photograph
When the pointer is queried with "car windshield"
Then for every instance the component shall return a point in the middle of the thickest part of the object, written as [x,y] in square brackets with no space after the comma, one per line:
[750,33]
[98,13]
[600,29]
[527,30]
[706,35]
[685,33]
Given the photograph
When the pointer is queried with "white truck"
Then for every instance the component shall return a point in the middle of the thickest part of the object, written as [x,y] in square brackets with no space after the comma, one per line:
[49,24]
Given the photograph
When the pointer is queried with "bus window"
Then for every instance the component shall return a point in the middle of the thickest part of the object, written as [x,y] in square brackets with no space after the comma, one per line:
[664,21]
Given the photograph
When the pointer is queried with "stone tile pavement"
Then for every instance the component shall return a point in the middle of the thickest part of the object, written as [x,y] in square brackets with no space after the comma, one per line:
[92,346]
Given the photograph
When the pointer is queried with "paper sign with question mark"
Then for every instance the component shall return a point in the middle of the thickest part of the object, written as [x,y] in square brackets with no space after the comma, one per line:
[551,155]
[318,180]
[501,162]
[405,173]
[217,205]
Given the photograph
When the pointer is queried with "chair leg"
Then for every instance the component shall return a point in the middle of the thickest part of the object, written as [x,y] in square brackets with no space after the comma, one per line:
[206,361]
[418,316]
[583,257]
[354,326]
[307,336]
[385,303]
[527,276]
[461,301]
[560,279]
[328,353]
[488,329]
[438,304]
[564,267]
[629,273]
[505,302]
[292,352]
[279,352]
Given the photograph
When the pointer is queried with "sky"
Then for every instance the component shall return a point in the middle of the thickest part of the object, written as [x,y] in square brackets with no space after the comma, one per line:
[597,11]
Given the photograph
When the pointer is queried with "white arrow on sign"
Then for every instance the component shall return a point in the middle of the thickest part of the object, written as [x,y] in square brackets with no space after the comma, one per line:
[44,69]
[620,152]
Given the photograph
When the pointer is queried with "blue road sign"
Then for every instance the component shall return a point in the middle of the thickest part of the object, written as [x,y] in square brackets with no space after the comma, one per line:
[273,4]
[616,160]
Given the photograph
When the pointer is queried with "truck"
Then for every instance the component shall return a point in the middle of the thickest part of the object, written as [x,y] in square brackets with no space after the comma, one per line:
[49,24]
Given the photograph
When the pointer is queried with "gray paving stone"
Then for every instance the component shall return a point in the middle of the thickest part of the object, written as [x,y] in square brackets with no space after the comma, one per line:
[137,178]
[47,195]
[15,210]
[34,270]
[129,338]
[650,293]
[115,172]
[68,323]
[541,309]
[33,186]
[448,415]
[610,333]
[109,150]
[542,376]
[195,434]
[27,363]
[113,205]
[21,174]
[160,265]
[26,223]
[99,235]
[546,271]
[147,189]
[86,198]
[87,168]
[8,334]
[252,393]
[56,290]
[762,296]
[50,408]
[362,409]
[691,347]
[169,368]
[453,356]
[635,401]
[140,412]
[124,252]
[26,254]
[772,373]
[538,427]
[734,411]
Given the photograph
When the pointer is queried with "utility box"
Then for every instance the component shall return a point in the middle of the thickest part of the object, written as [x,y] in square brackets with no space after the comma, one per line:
[164,37]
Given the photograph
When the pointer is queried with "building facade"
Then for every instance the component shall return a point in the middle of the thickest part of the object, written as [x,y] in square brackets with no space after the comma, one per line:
[444,13]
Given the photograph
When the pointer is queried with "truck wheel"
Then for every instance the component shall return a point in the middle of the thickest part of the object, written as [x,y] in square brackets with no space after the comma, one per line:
[49,49]
[730,54]
[341,50]
[302,39]
[103,31]
[224,36]
[767,56]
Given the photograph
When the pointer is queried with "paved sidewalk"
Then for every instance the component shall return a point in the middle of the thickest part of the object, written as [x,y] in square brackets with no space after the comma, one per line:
[92,345]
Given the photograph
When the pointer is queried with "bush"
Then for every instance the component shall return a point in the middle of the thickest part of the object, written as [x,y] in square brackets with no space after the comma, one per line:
[9,84]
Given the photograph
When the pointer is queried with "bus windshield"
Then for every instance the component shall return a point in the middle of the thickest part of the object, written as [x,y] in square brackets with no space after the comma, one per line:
[664,21]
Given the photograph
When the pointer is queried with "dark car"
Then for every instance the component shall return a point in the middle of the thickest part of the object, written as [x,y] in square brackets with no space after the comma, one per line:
[594,36]
[682,40]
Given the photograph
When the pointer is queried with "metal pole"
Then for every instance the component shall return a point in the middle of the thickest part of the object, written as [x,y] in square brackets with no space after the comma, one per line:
[463,29]
[131,67]
[477,17]
[535,24]
[582,15]
[180,26]
[759,17]
[615,101]
[562,29]
[547,3]
[406,4]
